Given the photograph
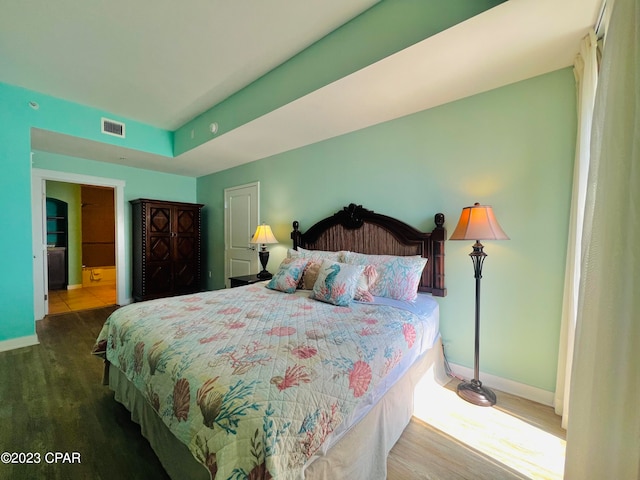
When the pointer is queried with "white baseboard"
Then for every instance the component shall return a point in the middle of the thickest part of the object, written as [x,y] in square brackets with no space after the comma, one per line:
[508,386]
[20,342]
[74,287]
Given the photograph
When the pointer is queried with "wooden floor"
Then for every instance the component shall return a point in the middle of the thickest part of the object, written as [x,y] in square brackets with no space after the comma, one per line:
[515,439]
[51,400]
[64,301]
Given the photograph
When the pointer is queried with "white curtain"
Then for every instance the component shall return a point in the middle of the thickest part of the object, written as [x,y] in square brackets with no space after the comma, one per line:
[586,74]
[603,434]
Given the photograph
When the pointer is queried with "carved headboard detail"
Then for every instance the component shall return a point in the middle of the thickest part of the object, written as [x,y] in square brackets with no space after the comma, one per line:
[357,229]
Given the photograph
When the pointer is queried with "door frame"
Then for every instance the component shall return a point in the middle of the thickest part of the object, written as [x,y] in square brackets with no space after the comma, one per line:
[38,220]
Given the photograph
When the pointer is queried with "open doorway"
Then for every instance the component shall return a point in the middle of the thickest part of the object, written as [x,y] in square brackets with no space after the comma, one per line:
[40,274]
[81,257]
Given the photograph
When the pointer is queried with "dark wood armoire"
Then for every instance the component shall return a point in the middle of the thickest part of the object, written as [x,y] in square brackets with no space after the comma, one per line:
[166,248]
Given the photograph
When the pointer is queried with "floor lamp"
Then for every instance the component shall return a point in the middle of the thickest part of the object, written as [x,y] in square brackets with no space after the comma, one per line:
[477,223]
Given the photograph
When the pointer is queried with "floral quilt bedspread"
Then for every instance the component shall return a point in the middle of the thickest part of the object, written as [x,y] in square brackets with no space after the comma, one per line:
[252,380]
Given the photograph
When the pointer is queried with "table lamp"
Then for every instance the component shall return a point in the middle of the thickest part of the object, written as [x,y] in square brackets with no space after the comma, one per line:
[264,236]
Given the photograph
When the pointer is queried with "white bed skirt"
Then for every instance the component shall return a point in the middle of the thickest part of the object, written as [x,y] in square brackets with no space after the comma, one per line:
[361,454]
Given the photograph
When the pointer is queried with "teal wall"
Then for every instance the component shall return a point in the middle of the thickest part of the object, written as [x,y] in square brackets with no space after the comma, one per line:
[16,121]
[512,148]
[71,194]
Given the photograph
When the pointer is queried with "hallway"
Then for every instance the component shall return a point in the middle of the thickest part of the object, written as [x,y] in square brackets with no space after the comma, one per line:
[63,301]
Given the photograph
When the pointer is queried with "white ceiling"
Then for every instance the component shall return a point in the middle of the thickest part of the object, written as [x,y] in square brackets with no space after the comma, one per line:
[131,62]
[161,62]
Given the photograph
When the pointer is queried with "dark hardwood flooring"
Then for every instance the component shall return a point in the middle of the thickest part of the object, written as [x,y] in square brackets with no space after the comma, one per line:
[52,400]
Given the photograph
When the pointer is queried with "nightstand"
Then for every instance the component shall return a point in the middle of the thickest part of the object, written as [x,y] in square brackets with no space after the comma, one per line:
[245,280]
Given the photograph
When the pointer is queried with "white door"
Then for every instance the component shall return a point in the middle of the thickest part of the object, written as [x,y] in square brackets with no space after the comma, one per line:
[242,216]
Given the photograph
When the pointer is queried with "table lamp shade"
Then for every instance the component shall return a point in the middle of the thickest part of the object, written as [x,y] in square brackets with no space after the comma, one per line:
[478,223]
[264,235]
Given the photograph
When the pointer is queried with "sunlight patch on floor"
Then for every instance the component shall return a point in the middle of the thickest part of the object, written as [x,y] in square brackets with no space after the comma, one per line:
[499,435]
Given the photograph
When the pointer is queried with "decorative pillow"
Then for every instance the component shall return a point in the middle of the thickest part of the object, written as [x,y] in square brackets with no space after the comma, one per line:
[288,275]
[310,275]
[315,258]
[398,277]
[337,282]
[366,280]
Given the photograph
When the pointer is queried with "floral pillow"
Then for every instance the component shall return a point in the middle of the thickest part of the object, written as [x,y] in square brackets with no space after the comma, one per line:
[398,277]
[315,257]
[337,282]
[288,275]
[366,280]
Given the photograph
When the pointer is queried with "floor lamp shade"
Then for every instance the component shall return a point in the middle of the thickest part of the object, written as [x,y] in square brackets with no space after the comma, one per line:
[477,223]
[264,236]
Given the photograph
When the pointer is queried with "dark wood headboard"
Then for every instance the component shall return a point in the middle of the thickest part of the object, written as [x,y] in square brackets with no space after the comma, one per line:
[357,229]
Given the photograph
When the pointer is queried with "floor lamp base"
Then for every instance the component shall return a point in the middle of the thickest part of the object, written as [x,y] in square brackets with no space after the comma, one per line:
[473,392]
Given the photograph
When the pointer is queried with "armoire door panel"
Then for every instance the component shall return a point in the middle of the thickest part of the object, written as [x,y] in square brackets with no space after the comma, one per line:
[186,247]
[186,221]
[159,220]
[185,275]
[159,248]
[159,279]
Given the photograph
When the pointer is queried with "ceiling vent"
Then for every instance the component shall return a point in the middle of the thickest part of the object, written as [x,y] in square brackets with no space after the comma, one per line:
[111,127]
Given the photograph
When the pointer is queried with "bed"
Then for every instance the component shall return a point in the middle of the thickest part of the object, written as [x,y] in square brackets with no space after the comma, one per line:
[275,380]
